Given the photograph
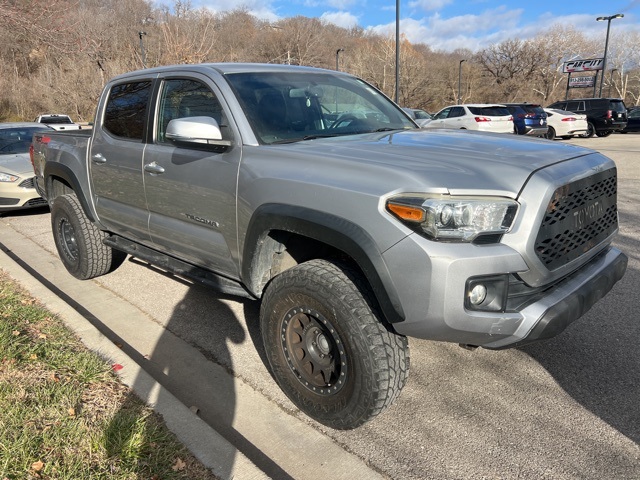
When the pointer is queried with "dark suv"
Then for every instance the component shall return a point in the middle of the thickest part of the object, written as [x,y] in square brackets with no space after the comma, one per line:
[528,119]
[604,115]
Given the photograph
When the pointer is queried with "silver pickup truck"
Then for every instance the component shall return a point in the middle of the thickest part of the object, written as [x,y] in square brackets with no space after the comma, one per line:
[311,191]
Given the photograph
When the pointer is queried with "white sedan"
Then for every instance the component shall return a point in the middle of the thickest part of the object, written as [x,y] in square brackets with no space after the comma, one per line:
[565,124]
[480,116]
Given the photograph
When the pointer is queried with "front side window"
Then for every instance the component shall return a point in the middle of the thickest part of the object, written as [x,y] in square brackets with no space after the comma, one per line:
[181,98]
[126,108]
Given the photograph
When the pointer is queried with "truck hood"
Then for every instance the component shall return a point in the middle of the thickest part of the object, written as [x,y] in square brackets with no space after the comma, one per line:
[453,160]
[17,164]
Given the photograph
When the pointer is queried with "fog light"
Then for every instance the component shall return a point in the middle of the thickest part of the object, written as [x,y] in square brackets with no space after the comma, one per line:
[478,294]
[487,293]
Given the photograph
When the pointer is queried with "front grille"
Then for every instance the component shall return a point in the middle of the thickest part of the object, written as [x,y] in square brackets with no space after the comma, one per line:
[37,202]
[580,215]
[28,183]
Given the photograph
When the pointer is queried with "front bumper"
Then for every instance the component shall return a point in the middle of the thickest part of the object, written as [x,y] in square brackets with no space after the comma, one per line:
[434,302]
[567,301]
[19,195]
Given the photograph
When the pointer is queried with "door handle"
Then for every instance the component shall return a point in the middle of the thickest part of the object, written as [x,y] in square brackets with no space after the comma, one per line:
[153,168]
[98,158]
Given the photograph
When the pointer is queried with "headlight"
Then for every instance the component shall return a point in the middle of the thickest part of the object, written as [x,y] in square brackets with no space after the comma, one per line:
[457,219]
[7,177]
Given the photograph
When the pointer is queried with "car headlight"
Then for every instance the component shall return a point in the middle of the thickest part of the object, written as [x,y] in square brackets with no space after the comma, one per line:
[454,219]
[7,177]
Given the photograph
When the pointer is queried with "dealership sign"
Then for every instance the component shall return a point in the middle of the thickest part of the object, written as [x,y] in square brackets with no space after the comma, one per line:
[581,82]
[582,65]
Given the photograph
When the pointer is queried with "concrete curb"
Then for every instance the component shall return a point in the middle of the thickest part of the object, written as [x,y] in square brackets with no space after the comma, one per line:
[207,445]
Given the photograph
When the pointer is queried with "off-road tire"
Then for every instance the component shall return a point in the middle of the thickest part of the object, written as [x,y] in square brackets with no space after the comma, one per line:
[79,242]
[323,308]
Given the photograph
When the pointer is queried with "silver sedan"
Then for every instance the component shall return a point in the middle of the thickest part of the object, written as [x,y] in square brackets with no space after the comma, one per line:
[16,172]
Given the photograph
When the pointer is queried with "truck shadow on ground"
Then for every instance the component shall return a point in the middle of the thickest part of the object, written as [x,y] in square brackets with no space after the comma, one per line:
[207,321]
[597,359]
[210,394]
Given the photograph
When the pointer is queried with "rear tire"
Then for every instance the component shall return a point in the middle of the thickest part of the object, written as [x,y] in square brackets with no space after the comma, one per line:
[79,242]
[327,348]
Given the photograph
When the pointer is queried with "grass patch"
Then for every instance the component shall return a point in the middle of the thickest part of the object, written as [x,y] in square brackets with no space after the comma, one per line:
[64,413]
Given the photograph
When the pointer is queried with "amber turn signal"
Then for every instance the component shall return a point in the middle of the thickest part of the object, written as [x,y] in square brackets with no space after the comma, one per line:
[407,213]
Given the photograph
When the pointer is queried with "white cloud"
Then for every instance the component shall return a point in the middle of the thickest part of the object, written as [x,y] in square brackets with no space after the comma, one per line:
[337,4]
[429,5]
[341,19]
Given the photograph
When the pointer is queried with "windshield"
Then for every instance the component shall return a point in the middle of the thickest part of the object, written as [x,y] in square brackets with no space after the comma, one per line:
[535,109]
[17,140]
[288,107]
[618,106]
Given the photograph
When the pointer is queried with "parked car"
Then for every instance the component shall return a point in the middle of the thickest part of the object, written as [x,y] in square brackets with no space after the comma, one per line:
[419,116]
[17,189]
[482,116]
[565,124]
[528,119]
[633,121]
[58,121]
[604,115]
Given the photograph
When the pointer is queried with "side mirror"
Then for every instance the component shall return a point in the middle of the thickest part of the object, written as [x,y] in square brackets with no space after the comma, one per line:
[199,130]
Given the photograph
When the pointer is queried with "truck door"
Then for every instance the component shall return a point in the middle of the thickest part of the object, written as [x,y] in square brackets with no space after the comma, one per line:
[191,189]
[115,160]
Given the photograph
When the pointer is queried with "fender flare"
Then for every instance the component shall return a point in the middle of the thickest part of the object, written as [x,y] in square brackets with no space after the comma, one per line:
[59,170]
[331,230]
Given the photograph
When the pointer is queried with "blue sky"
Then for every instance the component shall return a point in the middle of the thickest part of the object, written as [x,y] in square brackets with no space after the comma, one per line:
[449,24]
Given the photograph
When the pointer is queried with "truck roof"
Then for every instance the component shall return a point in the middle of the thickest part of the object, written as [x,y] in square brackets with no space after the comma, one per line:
[224,68]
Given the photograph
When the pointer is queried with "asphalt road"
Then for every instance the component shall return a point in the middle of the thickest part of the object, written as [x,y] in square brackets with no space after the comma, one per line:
[567,408]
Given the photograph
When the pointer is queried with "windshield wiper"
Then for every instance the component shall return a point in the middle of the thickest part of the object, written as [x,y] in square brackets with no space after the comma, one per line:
[323,135]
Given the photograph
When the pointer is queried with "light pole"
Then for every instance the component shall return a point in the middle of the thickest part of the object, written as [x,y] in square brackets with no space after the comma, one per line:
[611,80]
[606,45]
[144,61]
[397,50]
[460,79]
[338,58]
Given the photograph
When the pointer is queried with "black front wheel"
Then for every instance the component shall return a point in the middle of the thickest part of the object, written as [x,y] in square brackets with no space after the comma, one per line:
[79,242]
[551,134]
[604,133]
[591,131]
[328,350]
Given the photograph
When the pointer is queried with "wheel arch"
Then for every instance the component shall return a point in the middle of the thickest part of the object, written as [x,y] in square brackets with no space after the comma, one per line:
[281,236]
[60,180]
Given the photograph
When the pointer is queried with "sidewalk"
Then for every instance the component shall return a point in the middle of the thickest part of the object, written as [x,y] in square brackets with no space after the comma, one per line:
[177,380]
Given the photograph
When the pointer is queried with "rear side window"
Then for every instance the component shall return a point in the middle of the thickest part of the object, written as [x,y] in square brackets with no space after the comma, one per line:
[456,112]
[126,108]
[575,106]
[490,111]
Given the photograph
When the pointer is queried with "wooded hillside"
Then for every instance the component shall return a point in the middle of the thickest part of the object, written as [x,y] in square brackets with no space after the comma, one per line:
[56,55]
